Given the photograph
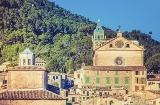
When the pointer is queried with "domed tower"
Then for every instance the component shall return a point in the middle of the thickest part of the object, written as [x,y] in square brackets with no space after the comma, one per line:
[98,37]
[27,58]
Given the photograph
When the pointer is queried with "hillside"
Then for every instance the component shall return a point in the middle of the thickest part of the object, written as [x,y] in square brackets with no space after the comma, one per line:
[56,35]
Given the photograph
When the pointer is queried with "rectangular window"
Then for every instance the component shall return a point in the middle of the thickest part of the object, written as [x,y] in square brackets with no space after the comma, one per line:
[108,80]
[88,71]
[110,45]
[136,72]
[87,79]
[127,45]
[116,72]
[126,80]
[136,80]
[142,72]
[4,81]
[97,80]
[107,71]
[29,61]
[24,62]
[78,75]
[116,80]
[53,77]
[97,72]
[126,71]
[56,77]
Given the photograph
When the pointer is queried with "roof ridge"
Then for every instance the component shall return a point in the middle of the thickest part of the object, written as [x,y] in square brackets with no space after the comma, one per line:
[106,43]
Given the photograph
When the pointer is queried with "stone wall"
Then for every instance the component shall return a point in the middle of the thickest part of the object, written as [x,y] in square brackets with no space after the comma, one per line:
[32,102]
[26,80]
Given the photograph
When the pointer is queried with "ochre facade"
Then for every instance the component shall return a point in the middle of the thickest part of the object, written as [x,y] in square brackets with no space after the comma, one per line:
[27,79]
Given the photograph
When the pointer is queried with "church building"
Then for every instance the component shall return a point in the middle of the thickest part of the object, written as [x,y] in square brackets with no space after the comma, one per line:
[117,62]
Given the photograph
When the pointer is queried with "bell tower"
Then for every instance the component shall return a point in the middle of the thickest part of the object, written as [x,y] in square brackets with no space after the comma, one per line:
[98,36]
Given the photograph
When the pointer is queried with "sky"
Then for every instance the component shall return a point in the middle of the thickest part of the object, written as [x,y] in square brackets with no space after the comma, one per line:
[143,15]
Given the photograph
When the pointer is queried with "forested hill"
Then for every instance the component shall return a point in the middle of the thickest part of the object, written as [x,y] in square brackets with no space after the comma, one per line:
[56,35]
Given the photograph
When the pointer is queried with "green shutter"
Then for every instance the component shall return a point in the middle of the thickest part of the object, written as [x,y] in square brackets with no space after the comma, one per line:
[87,79]
[126,80]
[116,72]
[107,71]
[116,80]
[108,80]
[97,80]
[127,87]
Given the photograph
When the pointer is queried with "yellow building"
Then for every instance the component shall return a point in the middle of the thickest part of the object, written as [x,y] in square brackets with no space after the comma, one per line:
[117,62]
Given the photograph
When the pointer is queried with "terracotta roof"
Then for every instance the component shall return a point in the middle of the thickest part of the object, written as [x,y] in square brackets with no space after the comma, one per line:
[114,68]
[39,60]
[30,95]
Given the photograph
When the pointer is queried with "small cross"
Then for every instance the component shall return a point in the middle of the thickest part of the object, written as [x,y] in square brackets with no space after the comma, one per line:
[119,26]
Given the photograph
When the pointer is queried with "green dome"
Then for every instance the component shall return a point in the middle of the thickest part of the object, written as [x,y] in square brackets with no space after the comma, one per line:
[98,27]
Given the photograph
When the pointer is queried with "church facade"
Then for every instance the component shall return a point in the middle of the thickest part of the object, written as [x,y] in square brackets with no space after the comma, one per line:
[117,62]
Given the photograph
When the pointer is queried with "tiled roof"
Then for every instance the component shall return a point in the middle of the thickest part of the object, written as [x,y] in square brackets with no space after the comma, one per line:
[39,60]
[114,68]
[30,95]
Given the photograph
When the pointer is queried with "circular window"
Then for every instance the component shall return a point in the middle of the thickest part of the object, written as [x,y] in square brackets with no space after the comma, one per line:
[119,61]
[119,44]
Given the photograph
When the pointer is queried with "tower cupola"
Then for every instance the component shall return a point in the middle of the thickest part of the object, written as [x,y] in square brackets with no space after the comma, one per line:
[98,32]
[27,58]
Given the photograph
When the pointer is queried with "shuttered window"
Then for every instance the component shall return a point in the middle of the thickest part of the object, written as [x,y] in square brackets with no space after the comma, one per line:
[116,72]
[116,80]
[126,80]
[87,79]
[97,80]
[108,80]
